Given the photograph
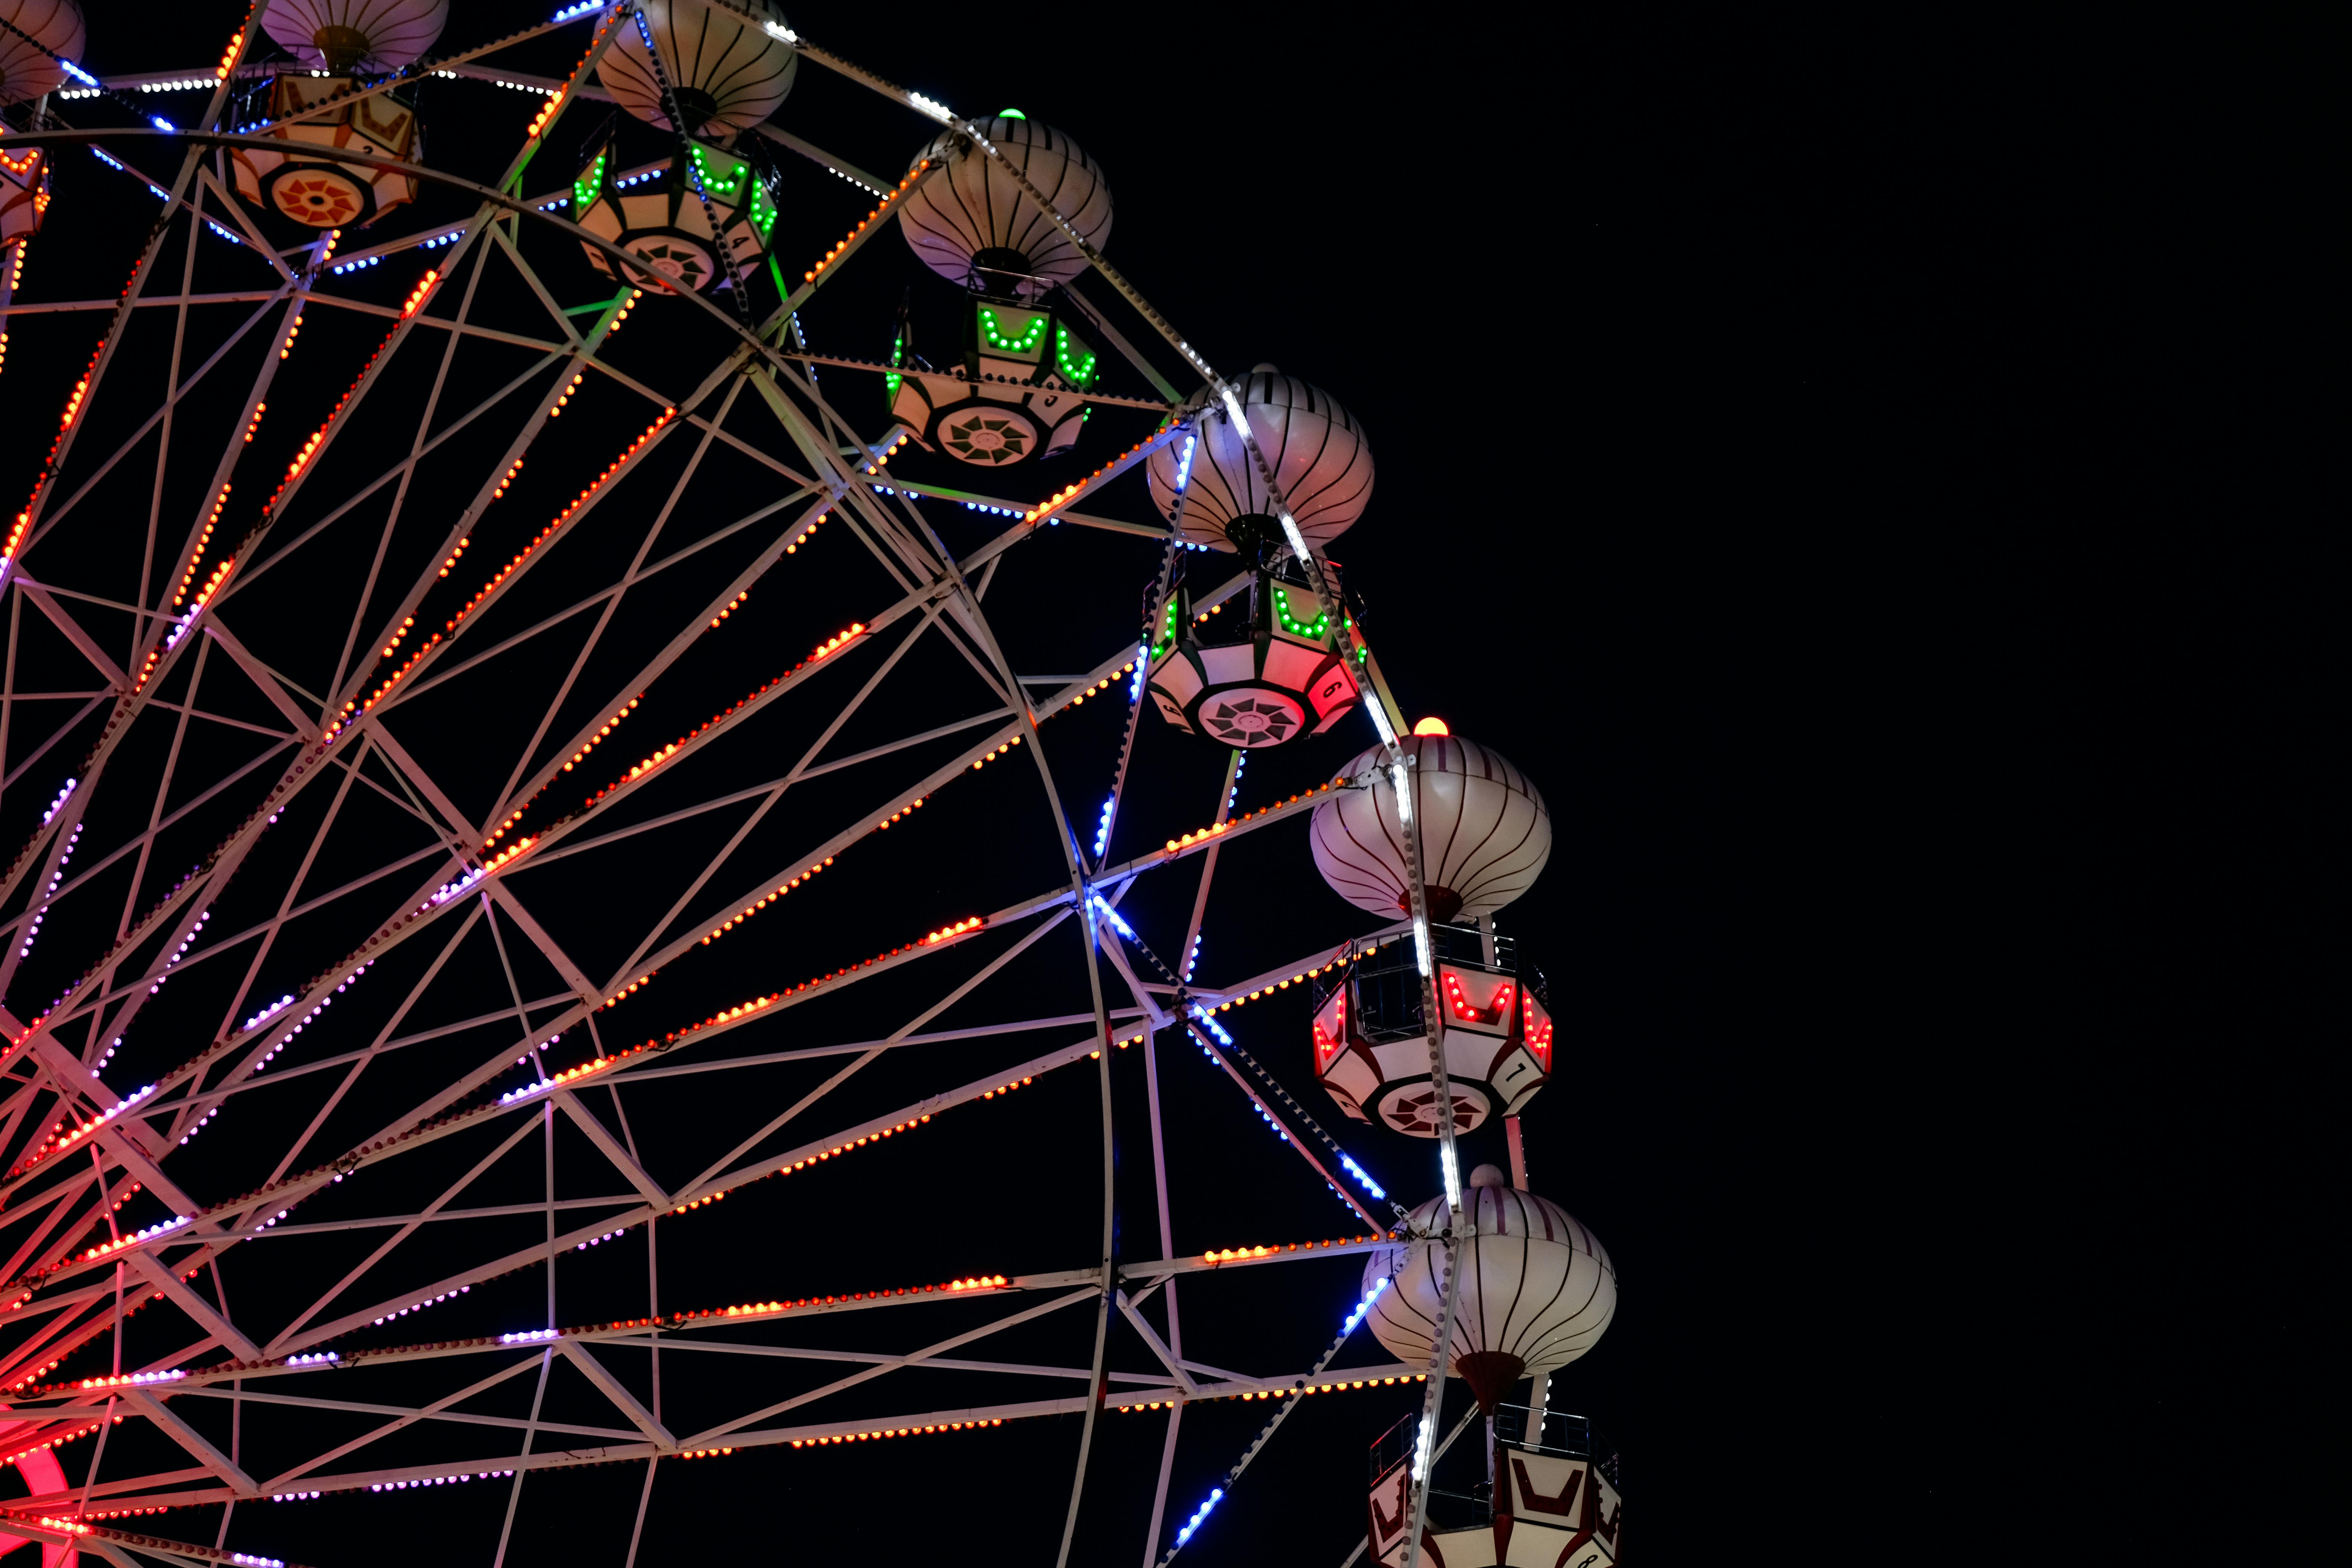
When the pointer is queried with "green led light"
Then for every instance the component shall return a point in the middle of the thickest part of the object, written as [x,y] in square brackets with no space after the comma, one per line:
[1167,637]
[1011,114]
[1026,343]
[588,187]
[1291,623]
[1077,376]
[712,184]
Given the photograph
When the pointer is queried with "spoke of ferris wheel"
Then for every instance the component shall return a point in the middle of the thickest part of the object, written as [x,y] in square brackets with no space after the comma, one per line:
[413,1413]
[163,445]
[254,240]
[220,945]
[74,633]
[286,906]
[713,1434]
[854,489]
[539,1254]
[26,765]
[775,792]
[860,1062]
[633,1333]
[848,1427]
[384,1042]
[277,1482]
[417,447]
[162,648]
[690,632]
[426,1217]
[67,1197]
[398,472]
[721,802]
[851,1047]
[289,1334]
[157,301]
[434,652]
[94,994]
[88,873]
[506,796]
[55,515]
[156,808]
[140,273]
[410,688]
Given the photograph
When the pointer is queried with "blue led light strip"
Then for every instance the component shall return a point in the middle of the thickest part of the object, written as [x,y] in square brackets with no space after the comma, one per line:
[1134,711]
[1208,1019]
[1290,1401]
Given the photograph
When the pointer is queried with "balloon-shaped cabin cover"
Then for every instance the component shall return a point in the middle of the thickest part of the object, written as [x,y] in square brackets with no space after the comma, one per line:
[38,31]
[1317,451]
[1257,678]
[725,70]
[343,39]
[1485,834]
[1025,366]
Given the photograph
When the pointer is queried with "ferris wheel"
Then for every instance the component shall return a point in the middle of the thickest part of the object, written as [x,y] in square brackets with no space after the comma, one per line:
[529,801]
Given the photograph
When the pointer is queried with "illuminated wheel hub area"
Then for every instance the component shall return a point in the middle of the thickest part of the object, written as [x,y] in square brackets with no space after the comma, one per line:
[685,801]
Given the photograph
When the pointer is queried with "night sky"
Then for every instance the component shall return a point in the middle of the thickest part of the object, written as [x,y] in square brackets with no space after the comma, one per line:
[1510,247]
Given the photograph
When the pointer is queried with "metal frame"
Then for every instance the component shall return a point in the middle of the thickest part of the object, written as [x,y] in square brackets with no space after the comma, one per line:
[53,1068]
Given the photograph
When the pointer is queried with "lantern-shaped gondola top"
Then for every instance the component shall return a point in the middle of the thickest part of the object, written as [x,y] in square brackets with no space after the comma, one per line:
[343,36]
[1371,1037]
[339,36]
[971,223]
[1315,447]
[727,66]
[1271,675]
[659,218]
[1485,834]
[28,64]
[1538,1288]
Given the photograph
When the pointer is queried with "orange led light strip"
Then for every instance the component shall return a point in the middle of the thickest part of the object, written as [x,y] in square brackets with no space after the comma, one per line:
[611,470]
[1104,684]
[1279,1393]
[830,646]
[786,886]
[547,110]
[898,1432]
[1201,835]
[873,216]
[196,556]
[1112,469]
[1246,1254]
